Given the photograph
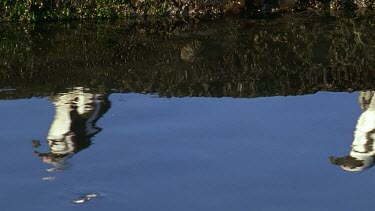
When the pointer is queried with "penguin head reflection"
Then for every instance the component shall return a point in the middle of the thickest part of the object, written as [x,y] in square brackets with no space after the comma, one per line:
[74,124]
[60,151]
[362,152]
[353,164]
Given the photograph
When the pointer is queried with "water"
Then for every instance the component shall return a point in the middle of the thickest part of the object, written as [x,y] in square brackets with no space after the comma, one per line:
[231,115]
[189,154]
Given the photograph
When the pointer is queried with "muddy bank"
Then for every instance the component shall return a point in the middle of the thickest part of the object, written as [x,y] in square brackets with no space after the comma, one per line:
[293,55]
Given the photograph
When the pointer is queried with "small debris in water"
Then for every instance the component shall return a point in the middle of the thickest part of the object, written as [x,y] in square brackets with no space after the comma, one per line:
[35,143]
[48,178]
[86,198]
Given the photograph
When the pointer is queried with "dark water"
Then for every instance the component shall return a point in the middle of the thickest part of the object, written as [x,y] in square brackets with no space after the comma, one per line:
[190,154]
[231,115]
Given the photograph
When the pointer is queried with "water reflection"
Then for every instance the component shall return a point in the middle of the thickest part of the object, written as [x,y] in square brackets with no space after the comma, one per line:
[74,125]
[235,58]
[362,152]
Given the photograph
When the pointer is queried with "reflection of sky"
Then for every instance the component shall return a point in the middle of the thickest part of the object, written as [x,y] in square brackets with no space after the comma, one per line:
[192,154]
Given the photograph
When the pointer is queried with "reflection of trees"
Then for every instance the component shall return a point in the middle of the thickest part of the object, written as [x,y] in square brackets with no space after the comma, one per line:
[362,154]
[74,124]
[295,54]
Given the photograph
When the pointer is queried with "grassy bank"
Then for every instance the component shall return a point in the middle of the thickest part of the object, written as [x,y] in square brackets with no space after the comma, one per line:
[39,10]
[36,10]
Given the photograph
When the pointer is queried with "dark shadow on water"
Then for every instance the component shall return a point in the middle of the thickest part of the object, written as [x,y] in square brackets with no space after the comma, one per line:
[74,125]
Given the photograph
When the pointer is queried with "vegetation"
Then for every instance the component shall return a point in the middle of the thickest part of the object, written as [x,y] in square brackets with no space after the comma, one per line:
[34,10]
[39,10]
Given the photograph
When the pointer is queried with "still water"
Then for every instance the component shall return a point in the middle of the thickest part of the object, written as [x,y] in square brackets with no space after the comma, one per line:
[238,114]
[78,150]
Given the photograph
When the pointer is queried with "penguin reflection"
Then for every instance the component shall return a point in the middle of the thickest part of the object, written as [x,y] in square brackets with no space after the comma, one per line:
[76,113]
[362,153]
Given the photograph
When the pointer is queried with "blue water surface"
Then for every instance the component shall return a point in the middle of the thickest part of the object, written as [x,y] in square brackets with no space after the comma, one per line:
[190,154]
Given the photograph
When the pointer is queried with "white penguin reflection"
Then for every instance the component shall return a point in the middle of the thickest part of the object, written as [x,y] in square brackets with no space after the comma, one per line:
[74,124]
[362,152]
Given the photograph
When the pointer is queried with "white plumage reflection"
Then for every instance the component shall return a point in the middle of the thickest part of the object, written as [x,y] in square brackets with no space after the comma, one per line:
[362,152]
[74,124]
